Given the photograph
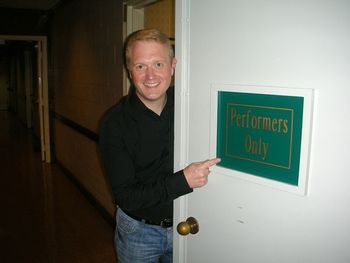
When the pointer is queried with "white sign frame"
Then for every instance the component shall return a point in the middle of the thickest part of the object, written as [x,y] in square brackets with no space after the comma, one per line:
[308,112]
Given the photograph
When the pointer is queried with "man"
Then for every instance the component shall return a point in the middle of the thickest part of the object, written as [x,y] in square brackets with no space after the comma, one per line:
[136,143]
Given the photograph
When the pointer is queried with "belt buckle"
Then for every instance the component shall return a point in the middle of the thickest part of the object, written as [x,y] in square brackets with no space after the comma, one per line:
[165,223]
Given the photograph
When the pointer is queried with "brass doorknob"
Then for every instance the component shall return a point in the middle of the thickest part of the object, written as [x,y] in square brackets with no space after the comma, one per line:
[189,226]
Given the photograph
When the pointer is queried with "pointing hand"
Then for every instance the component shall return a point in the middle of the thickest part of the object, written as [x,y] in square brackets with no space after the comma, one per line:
[197,173]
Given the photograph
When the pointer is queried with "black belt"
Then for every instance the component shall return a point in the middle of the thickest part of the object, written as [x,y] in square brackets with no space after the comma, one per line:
[165,223]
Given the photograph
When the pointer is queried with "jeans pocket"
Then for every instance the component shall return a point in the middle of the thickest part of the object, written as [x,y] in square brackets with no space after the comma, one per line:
[126,224]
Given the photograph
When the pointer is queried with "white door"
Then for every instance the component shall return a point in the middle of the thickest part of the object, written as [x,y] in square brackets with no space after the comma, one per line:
[277,43]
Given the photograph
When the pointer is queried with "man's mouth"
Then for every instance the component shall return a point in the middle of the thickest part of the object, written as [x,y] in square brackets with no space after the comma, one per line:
[152,85]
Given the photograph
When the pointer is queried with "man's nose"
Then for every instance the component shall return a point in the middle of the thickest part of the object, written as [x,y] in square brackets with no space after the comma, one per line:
[150,72]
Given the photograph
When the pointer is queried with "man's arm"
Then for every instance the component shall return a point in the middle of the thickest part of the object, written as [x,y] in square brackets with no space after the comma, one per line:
[128,191]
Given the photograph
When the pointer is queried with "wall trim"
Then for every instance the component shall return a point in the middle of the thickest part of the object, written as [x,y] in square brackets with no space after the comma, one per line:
[92,200]
[77,127]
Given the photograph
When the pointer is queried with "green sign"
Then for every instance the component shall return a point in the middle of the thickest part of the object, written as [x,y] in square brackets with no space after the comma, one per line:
[260,134]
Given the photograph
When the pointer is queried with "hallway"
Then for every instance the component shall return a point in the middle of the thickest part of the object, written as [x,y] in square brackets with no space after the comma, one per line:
[44,217]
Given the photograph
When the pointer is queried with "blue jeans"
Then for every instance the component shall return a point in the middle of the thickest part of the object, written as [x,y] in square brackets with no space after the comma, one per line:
[137,242]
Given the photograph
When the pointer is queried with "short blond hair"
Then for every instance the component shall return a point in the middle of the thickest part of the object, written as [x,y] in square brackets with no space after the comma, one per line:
[146,35]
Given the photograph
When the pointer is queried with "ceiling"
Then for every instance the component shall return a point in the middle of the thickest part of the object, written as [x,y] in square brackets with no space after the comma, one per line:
[29,4]
[26,17]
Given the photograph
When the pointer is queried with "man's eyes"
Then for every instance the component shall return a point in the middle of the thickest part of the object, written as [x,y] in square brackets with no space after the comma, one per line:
[159,65]
[143,67]
[140,67]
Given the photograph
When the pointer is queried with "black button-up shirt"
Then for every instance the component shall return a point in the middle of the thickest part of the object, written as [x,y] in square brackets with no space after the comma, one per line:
[137,148]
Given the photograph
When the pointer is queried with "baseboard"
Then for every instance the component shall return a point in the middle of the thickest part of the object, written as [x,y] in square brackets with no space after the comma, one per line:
[94,202]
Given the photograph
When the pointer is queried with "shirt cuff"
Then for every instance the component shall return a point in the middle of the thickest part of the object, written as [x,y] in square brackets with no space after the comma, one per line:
[178,185]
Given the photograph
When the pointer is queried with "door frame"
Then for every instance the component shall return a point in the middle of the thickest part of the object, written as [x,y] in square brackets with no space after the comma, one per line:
[44,111]
[181,132]
[28,84]
[133,20]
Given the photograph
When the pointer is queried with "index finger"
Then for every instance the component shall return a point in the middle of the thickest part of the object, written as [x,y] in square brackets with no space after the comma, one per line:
[211,162]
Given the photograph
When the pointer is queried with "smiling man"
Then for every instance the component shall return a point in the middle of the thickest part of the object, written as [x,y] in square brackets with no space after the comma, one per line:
[151,65]
[137,144]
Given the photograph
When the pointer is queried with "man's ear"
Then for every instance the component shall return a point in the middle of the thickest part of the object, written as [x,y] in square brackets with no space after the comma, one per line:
[173,66]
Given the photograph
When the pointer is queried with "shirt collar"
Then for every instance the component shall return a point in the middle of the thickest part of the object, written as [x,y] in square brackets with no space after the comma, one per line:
[138,109]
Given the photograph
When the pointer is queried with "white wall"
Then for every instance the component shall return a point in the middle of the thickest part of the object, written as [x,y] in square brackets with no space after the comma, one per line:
[303,44]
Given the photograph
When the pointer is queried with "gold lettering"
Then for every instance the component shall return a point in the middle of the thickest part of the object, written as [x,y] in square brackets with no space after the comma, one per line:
[238,120]
[254,122]
[274,123]
[243,120]
[285,126]
[259,122]
[256,146]
[233,115]
[248,118]
[266,123]
[279,124]
[259,119]
[248,143]
[266,148]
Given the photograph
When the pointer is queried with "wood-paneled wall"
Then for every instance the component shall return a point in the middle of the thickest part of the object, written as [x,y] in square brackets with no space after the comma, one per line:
[86,65]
